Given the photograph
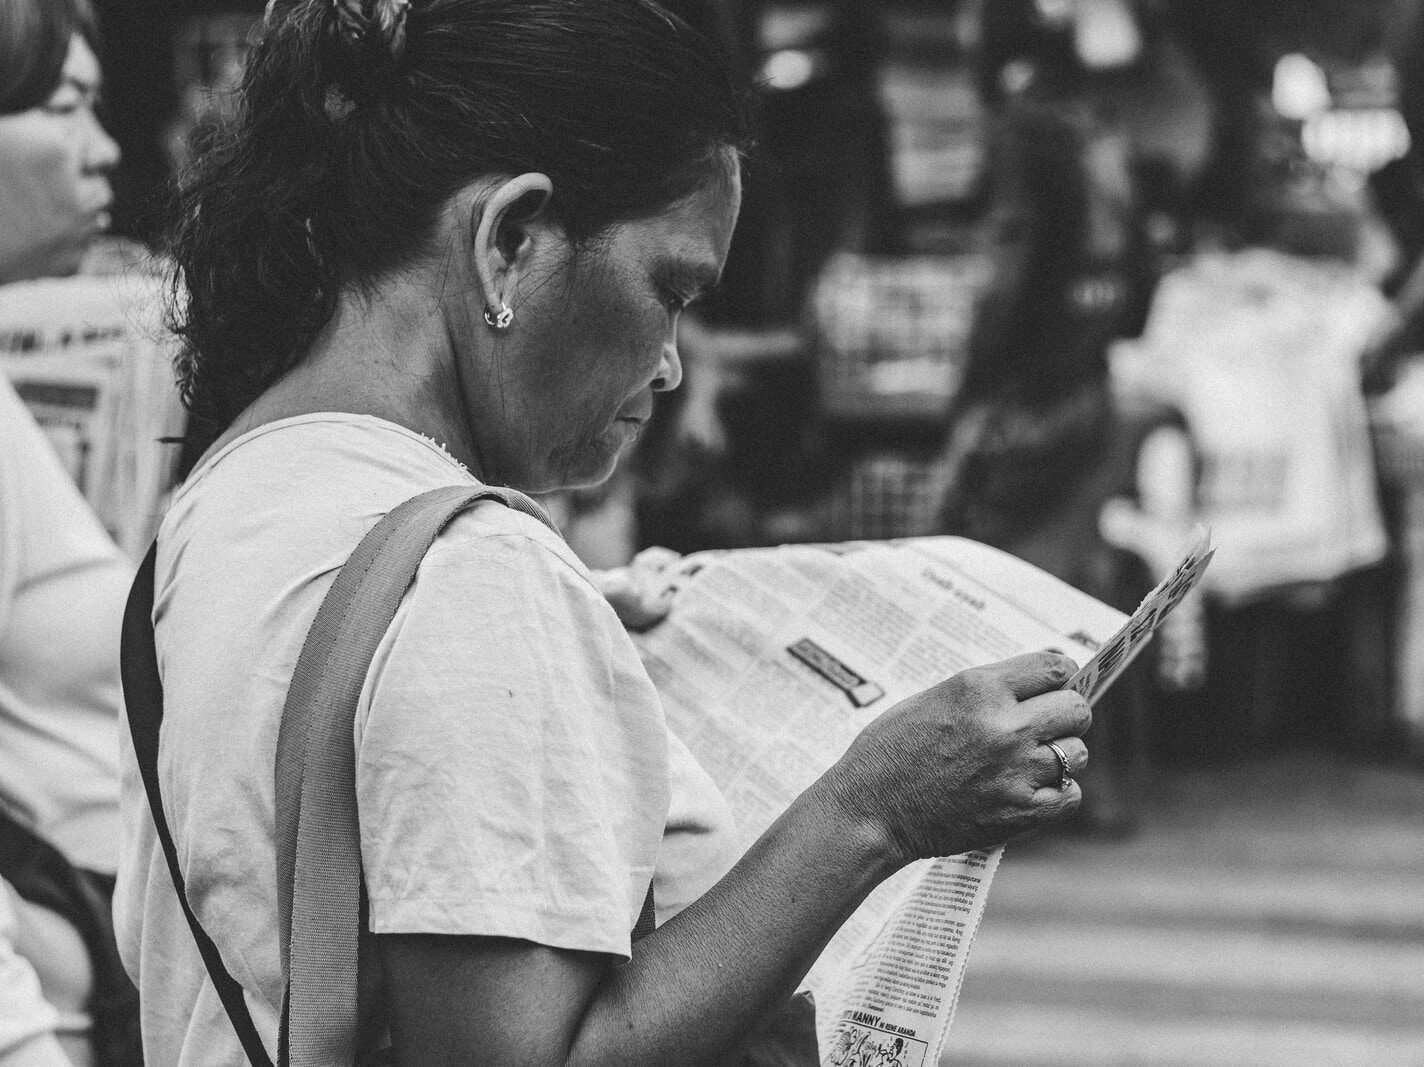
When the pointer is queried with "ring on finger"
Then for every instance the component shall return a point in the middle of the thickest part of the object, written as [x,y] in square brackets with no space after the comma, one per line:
[1066,778]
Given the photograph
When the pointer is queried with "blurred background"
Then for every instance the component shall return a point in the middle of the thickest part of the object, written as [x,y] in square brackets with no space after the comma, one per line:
[1065,276]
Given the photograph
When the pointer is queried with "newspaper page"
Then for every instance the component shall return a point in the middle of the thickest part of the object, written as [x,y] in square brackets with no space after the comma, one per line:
[90,359]
[772,661]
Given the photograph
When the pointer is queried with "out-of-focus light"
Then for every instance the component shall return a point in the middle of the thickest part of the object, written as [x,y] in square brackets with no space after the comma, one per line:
[1017,76]
[1056,12]
[1105,34]
[1299,88]
[788,69]
[1359,140]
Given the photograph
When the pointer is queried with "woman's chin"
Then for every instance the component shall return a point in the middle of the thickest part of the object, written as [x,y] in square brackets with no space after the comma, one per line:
[590,478]
[584,472]
[54,262]
[68,259]
[588,463]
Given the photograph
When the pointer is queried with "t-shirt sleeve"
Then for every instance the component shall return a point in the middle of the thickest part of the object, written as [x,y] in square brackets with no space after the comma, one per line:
[512,767]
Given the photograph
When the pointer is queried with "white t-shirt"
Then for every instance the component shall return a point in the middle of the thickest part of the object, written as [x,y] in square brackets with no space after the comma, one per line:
[63,583]
[514,773]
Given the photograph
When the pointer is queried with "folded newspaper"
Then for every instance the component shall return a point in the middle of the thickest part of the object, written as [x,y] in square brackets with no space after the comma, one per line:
[772,660]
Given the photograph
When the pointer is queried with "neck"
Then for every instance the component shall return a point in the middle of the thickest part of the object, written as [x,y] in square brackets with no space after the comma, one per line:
[388,356]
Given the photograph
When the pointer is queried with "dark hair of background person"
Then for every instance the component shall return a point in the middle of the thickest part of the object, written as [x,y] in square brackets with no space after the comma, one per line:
[34,41]
[1036,364]
[1028,342]
[340,158]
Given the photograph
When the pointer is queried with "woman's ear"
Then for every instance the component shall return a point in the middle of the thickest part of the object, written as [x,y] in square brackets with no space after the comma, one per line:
[504,227]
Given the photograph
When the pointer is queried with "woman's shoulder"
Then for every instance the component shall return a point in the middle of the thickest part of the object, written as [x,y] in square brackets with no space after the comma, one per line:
[289,501]
[494,545]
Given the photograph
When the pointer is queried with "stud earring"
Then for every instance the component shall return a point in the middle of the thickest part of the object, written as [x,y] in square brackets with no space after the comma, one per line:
[501,320]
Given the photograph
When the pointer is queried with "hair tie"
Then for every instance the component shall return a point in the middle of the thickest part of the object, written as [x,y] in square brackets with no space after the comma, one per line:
[359,21]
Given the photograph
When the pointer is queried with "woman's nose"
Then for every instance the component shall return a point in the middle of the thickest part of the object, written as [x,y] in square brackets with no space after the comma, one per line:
[101,151]
[670,369]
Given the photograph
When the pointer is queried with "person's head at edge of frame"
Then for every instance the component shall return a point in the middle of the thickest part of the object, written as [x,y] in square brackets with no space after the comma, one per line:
[55,157]
[477,218]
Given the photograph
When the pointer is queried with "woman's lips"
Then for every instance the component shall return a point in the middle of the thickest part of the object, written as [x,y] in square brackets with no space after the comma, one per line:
[99,215]
[633,423]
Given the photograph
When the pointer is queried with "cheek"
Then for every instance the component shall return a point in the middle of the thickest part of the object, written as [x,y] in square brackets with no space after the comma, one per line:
[616,323]
[41,172]
[598,325]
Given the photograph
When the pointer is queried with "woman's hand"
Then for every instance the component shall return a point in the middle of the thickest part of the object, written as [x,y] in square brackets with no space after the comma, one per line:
[966,764]
[638,592]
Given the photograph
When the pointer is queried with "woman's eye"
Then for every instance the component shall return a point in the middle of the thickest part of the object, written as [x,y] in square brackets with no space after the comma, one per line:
[675,302]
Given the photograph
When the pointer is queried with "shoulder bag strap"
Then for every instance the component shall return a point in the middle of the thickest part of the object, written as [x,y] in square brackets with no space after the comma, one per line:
[319,878]
[143,697]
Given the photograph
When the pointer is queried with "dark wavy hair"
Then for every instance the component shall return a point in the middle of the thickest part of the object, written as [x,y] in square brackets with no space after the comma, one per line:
[342,155]
[34,40]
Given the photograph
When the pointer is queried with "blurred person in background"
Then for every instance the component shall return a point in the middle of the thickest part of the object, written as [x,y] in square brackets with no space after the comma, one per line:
[62,588]
[1038,446]
[1259,335]
[54,186]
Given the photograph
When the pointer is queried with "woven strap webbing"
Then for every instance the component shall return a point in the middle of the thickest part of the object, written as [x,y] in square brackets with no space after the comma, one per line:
[319,883]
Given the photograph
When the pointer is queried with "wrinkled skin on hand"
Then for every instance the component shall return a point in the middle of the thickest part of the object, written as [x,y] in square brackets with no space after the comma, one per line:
[964,764]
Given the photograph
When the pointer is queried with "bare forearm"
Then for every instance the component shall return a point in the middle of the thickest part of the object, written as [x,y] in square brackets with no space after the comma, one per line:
[702,982]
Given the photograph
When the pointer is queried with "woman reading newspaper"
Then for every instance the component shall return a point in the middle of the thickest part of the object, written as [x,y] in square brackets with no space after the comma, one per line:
[446,244]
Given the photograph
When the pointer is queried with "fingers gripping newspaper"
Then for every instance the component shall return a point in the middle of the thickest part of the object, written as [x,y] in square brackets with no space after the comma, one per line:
[772,661]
